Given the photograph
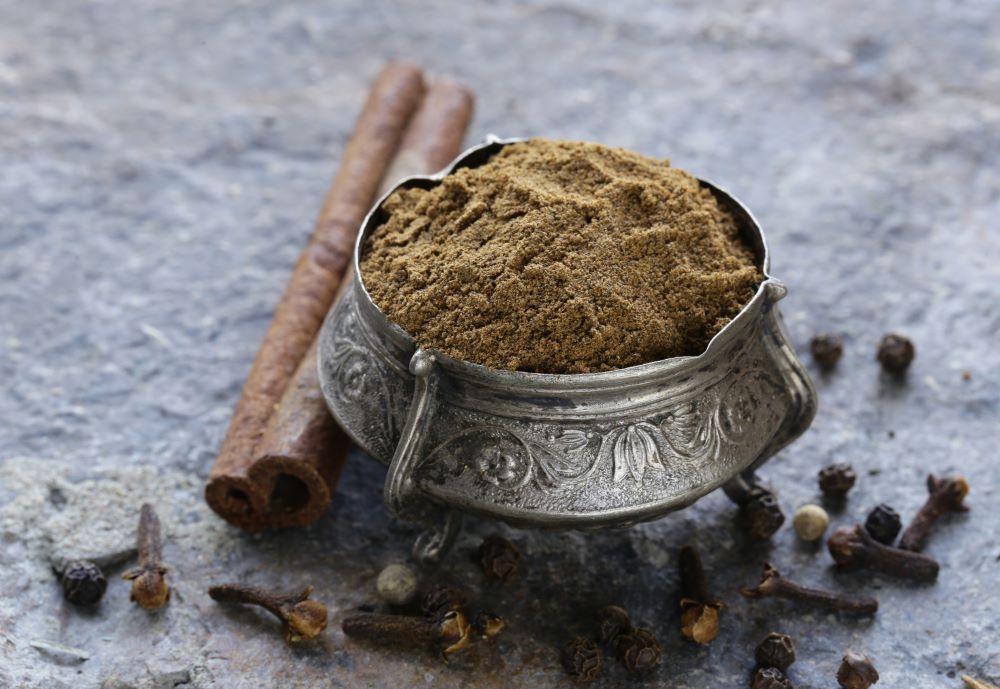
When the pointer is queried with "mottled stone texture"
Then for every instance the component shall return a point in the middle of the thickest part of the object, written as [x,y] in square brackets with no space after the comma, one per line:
[162,163]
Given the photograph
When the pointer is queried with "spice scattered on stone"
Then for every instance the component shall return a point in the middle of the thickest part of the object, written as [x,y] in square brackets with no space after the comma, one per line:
[810,522]
[896,353]
[776,650]
[612,622]
[826,350]
[498,557]
[883,524]
[581,658]
[560,257]
[856,671]
[836,480]
[396,584]
[442,599]
[83,583]
[638,649]
[762,514]
[770,678]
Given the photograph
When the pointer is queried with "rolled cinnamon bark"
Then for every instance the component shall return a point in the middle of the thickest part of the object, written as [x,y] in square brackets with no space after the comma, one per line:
[242,497]
[287,474]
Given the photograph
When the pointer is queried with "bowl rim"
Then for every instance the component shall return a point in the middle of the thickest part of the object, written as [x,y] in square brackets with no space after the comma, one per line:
[769,289]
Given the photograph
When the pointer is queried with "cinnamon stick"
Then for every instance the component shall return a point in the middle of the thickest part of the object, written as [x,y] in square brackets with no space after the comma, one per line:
[239,488]
[278,466]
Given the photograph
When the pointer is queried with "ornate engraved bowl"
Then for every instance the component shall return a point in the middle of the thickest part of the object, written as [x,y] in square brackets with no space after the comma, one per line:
[544,450]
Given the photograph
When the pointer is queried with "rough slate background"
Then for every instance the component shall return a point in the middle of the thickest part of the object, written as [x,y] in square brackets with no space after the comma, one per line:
[162,163]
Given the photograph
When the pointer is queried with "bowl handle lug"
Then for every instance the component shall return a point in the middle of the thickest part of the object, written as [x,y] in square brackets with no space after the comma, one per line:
[400,493]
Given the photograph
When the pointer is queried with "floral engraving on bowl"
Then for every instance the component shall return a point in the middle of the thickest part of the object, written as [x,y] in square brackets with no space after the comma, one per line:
[634,450]
[723,424]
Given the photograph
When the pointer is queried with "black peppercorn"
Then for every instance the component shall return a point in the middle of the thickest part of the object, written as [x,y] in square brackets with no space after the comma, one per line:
[612,622]
[826,350]
[498,557]
[856,671]
[776,650]
[836,479]
[762,514]
[638,650]
[883,524]
[895,353]
[770,678]
[83,582]
[442,599]
[581,658]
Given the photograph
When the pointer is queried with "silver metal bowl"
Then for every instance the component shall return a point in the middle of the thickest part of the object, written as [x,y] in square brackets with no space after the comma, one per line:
[572,450]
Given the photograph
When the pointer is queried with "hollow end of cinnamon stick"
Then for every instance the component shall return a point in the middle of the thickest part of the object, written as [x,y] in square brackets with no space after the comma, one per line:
[282,458]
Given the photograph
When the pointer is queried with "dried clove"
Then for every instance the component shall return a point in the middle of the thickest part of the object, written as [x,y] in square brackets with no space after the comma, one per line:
[836,480]
[699,611]
[303,618]
[487,625]
[856,671]
[945,495]
[895,353]
[810,522]
[826,349]
[442,599]
[776,650]
[883,524]
[498,557]
[448,634]
[773,584]
[770,678]
[581,658]
[762,514]
[612,622]
[149,588]
[851,546]
[83,582]
[638,650]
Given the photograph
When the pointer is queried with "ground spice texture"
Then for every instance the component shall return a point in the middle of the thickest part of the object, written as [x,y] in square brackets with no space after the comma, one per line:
[560,257]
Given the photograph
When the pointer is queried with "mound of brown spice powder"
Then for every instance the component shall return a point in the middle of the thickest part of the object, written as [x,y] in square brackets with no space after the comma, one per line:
[560,257]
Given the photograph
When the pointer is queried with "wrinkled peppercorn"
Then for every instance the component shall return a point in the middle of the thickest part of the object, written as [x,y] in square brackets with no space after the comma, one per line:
[612,622]
[762,514]
[442,599]
[856,671]
[883,524]
[83,582]
[581,658]
[770,678]
[776,650]
[638,650]
[895,353]
[498,557]
[826,350]
[836,479]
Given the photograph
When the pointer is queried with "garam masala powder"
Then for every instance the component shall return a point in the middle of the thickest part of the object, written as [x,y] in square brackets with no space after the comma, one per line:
[560,257]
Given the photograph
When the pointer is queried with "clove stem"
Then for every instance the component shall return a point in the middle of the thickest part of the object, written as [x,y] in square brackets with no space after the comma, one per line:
[944,495]
[772,584]
[303,618]
[852,546]
[149,588]
[699,612]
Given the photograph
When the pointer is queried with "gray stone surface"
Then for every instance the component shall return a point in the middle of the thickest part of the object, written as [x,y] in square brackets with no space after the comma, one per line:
[161,167]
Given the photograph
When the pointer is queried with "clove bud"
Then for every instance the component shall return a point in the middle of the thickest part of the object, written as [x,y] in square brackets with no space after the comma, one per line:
[303,618]
[149,588]
[852,546]
[699,611]
[945,495]
[448,634]
[772,584]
